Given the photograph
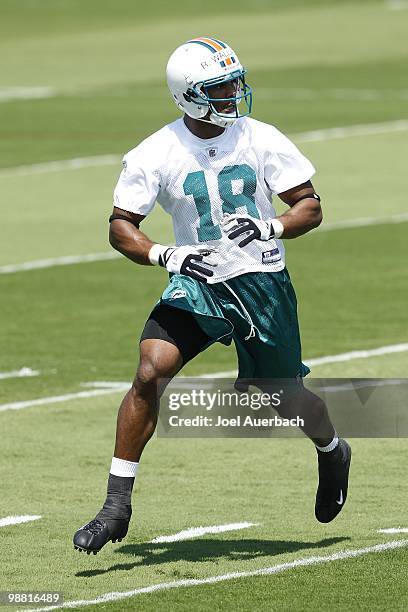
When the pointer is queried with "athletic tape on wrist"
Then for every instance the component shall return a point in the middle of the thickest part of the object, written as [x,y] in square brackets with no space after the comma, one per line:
[155,252]
[277,228]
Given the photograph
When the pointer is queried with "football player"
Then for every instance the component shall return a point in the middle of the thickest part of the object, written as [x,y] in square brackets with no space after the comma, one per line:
[215,170]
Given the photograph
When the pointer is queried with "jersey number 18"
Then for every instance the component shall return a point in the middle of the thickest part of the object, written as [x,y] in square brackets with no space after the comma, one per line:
[196,186]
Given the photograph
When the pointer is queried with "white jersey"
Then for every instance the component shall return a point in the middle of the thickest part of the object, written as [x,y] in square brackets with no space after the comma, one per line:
[196,181]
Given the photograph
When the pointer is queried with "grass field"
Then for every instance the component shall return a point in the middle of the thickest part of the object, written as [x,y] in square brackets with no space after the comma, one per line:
[83,80]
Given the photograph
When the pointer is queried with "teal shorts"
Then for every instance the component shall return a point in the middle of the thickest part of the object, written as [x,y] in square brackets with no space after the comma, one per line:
[258,311]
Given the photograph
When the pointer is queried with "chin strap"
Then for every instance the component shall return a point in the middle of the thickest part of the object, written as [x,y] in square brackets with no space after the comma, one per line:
[219,122]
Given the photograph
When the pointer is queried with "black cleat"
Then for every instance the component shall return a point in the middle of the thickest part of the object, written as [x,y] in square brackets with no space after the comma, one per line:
[94,535]
[333,482]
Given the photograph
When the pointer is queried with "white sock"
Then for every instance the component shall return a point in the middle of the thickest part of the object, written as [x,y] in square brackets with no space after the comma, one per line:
[327,449]
[121,467]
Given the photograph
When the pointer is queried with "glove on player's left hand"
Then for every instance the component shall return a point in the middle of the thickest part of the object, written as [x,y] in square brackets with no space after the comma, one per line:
[236,225]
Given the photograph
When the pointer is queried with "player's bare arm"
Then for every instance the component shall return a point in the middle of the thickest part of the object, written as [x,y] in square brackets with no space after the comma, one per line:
[126,237]
[305,211]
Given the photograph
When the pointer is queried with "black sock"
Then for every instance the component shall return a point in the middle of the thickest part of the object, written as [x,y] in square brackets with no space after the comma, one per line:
[118,503]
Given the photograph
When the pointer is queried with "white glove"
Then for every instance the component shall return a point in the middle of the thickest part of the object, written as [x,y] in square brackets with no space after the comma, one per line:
[189,260]
[255,229]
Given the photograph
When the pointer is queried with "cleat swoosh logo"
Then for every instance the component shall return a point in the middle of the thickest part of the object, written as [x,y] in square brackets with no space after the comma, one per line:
[340,500]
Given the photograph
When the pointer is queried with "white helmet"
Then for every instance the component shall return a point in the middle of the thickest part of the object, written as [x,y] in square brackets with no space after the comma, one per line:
[201,63]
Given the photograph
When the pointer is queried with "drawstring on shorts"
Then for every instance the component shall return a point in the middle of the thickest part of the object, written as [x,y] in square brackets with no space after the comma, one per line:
[244,310]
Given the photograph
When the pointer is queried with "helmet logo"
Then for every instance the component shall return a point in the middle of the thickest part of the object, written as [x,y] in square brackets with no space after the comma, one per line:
[228,61]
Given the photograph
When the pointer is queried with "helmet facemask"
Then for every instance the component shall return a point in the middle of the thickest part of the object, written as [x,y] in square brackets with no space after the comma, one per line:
[200,94]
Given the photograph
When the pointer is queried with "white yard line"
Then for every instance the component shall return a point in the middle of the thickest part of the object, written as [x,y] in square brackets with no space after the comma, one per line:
[196,532]
[265,571]
[42,401]
[363,222]
[8,94]
[61,165]
[376,383]
[396,5]
[349,93]
[22,373]
[365,129]
[394,530]
[106,384]
[382,350]
[69,260]
[119,387]
[17,520]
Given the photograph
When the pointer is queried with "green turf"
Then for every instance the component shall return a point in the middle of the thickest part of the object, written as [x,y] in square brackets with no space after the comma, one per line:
[107,98]
[266,482]
[43,16]
[75,330]
[313,64]
[136,50]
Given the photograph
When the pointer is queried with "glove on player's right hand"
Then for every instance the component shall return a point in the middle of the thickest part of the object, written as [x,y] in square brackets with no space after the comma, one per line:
[189,260]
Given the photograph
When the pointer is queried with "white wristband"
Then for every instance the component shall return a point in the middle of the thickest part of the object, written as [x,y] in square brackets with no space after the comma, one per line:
[155,252]
[277,227]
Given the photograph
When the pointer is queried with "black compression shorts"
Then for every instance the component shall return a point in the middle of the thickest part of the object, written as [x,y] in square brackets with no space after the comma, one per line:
[178,327]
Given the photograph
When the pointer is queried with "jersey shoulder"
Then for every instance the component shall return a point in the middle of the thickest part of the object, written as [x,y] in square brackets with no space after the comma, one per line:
[285,166]
[153,150]
[266,134]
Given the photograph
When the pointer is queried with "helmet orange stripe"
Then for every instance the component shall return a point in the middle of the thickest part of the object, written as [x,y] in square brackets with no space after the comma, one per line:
[223,45]
[212,42]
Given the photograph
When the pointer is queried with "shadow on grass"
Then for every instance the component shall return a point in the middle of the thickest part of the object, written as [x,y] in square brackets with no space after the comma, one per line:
[205,550]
